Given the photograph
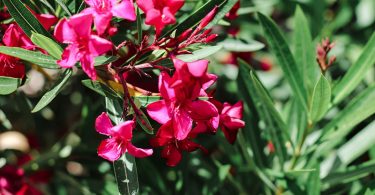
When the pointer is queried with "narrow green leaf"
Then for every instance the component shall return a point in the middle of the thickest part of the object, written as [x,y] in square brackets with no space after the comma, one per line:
[320,99]
[52,93]
[254,142]
[357,145]
[304,50]
[146,100]
[350,174]
[355,112]
[64,7]
[25,19]
[237,45]
[103,60]
[285,58]
[34,57]
[194,18]
[313,182]
[360,108]
[126,175]
[8,85]
[275,126]
[223,10]
[139,26]
[47,44]
[356,72]
[145,123]
[114,109]
[200,54]
[100,88]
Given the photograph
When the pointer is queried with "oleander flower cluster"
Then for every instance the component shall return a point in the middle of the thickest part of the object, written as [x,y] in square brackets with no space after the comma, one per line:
[186,107]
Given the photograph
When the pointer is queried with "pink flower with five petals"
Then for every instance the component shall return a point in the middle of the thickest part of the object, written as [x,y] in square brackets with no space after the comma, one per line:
[180,109]
[83,46]
[104,10]
[230,120]
[119,141]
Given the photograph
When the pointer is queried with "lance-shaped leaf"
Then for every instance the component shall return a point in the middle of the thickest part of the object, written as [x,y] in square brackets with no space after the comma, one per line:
[34,57]
[284,56]
[350,174]
[237,45]
[265,108]
[200,54]
[25,19]
[101,89]
[223,10]
[320,99]
[8,85]
[103,60]
[52,93]
[360,108]
[304,50]
[47,44]
[194,18]
[356,72]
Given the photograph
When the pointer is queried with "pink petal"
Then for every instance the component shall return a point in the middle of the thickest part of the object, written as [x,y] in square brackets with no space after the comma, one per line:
[167,16]
[64,33]
[159,111]
[172,154]
[47,20]
[198,68]
[182,124]
[103,124]
[11,36]
[203,110]
[109,149]
[145,5]
[234,123]
[101,21]
[230,135]
[175,5]
[81,23]
[138,152]
[87,62]
[208,80]
[153,17]
[70,56]
[99,46]
[124,130]
[166,91]
[234,111]
[125,10]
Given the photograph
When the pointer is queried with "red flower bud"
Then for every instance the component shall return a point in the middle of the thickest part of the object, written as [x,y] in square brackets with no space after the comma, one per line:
[208,18]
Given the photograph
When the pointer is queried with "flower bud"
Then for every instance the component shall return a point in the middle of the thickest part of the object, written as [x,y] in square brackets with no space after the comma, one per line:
[208,18]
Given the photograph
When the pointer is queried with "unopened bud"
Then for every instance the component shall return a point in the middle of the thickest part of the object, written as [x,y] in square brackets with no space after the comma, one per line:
[208,18]
[211,38]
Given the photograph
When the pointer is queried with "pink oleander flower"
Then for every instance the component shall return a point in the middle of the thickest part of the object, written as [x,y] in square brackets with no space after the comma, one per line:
[14,182]
[83,46]
[173,148]
[230,120]
[119,141]
[191,78]
[11,66]
[180,108]
[104,10]
[160,13]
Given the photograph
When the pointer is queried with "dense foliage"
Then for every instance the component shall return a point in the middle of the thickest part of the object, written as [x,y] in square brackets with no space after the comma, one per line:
[187,97]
